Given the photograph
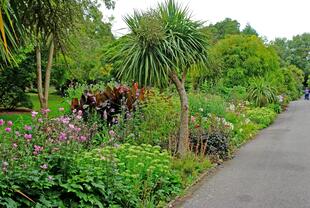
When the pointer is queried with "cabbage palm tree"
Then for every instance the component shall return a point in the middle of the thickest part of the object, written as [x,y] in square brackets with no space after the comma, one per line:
[163,45]
[9,29]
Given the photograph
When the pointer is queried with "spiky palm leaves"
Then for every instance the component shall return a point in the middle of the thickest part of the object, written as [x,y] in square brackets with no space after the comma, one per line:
[9,30]
[261,93]
[162,41]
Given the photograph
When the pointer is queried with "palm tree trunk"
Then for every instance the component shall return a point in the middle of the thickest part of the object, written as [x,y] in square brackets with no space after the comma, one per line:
[183,141]
[48,75]
[39,75]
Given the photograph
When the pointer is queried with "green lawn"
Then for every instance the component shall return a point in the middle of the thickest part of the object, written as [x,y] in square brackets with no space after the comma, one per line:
[55,102]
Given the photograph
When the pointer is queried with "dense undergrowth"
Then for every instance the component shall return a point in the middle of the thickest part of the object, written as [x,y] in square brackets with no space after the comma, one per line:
[70,160]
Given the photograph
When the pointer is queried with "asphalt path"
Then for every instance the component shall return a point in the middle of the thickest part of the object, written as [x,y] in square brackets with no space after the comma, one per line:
[271,171]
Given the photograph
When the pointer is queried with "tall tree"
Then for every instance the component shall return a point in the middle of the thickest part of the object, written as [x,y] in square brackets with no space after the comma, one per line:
[295,51]
[243,57]
[249,30]
[220,30]
[83,55]
[163,44]
[48,23]
[300,51]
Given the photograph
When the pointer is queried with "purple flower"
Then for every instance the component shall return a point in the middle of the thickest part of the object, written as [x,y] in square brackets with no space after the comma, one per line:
[27,128]
[62,136]
[2,122]
[34,114]
[8,129]
[28,136]
[112,133]
[64,120]
[80,112]
[45,111]
[10,123]
[37,149]
[44,166]
[83,138]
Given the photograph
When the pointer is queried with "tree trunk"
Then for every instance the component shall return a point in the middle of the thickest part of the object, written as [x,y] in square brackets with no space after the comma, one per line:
[48,75]
[183,142]
[43,98]
[39,75]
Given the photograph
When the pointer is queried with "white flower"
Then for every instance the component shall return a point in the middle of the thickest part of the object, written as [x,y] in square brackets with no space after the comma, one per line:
[232,107]
[247,121]
[201,109]
[280,98]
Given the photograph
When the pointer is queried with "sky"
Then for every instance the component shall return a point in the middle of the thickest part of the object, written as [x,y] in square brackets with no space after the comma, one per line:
[270,18]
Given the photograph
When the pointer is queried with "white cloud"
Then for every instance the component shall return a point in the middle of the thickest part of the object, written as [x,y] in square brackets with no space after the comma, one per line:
[271,18]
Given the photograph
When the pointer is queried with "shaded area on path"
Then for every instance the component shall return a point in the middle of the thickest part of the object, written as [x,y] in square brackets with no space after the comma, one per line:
[272,171]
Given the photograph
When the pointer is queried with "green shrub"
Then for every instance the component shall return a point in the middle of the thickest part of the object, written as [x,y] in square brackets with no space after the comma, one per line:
[276,107]
[35,159]
[124,176]
[155,122]
[13,82]
[206,104]
[261,93]
[244,129]
[190,167]
[52,163]
[262,116]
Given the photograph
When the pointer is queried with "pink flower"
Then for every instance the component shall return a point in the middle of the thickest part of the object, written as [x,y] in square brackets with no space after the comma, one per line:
[83,138]
[44,166]
[61,109]
[74,111]
[64,120]
[8,129]
[77,129]
[27,128]
[80,112]
[10,123]
[34,114]
[193,119]
[2,122]
[17,133]
[37,149]
[45,111]
[79,117]
[112,133]
[28,136]
[40,120]
[14,145]
[71,126]
[62,136]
